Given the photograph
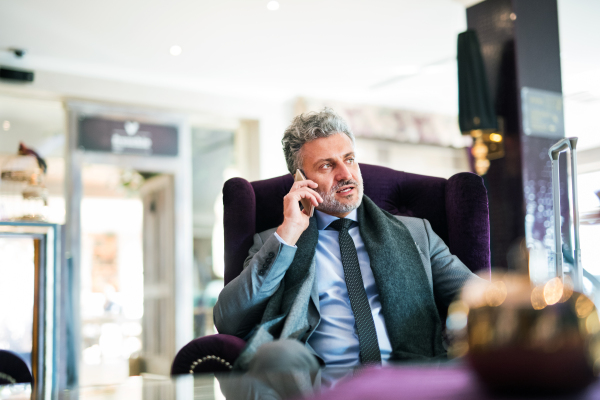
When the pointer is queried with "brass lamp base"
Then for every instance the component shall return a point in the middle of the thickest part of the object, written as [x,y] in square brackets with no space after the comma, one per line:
[488,144]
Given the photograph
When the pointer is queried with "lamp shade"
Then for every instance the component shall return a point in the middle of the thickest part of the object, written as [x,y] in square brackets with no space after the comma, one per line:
[475,109]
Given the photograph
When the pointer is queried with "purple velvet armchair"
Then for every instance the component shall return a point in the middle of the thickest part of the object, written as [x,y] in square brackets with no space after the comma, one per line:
[13,369]
[457,209]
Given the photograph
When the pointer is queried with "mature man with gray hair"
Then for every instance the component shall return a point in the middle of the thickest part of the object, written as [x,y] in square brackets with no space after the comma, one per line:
[351,285]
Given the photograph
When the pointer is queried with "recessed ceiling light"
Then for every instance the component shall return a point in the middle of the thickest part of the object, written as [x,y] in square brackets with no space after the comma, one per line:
[6,125]
[273,5]
[175,50]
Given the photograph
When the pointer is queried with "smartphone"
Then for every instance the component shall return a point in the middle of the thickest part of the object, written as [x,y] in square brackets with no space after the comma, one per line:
[306,203]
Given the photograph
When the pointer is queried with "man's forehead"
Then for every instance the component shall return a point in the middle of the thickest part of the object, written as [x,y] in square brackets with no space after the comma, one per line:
[332,156]
[331,147]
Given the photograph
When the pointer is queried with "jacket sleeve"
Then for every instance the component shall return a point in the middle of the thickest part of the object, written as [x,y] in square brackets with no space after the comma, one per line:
[241,303]
[449,274]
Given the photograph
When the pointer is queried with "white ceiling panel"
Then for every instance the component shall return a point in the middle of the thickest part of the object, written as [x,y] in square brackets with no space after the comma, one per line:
[335,49]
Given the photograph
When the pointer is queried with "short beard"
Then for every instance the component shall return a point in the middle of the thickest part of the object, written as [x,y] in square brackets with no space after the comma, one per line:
[331,205]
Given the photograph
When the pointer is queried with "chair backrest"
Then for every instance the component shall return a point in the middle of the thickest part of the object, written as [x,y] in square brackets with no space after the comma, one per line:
[457,209]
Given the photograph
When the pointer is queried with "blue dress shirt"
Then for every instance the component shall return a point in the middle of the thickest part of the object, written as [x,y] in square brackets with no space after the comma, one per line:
[335,339]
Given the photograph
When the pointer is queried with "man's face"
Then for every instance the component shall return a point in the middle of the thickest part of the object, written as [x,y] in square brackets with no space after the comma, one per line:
[330,162]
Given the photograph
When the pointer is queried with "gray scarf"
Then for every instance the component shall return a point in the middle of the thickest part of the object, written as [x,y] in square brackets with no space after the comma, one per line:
[411,316]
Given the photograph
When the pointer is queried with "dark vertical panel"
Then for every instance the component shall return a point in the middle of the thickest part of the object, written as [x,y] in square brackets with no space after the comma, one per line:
[538,50]
[491,20]
[538,66]
[520,47]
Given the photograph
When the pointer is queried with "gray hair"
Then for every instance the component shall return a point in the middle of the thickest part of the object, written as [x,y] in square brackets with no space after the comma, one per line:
[308,127]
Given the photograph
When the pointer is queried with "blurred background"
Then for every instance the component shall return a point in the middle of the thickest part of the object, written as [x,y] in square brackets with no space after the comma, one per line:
[215,84]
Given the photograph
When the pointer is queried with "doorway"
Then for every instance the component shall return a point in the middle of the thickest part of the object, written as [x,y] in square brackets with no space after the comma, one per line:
[132,253]
[112,273]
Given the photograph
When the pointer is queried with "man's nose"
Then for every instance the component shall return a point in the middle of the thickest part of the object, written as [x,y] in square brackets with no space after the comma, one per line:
[343,172]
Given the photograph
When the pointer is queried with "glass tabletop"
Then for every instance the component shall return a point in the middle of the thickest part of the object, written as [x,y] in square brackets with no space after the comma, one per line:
[449,381]
[272,385]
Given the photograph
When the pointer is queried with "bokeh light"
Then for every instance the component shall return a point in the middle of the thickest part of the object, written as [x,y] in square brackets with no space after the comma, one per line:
[553,291]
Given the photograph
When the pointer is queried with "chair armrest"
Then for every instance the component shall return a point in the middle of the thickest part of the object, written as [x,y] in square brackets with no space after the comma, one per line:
[13,369]
[214,353]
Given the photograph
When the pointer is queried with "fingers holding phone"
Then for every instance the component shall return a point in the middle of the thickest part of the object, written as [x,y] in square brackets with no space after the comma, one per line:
[295,220]
[308,203]
[302,192]
[307,197]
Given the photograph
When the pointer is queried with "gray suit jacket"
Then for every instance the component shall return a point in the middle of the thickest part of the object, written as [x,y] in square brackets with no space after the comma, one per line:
[241,304]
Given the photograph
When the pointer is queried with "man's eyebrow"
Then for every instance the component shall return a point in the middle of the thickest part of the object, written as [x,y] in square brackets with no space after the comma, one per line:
[332,159]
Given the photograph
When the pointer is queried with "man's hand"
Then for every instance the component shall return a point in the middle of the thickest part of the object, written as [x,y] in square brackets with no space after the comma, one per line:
[295,221]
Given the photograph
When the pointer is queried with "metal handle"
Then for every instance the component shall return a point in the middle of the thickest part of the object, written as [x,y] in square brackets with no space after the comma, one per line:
[559,147]
[565,144]
[577,251]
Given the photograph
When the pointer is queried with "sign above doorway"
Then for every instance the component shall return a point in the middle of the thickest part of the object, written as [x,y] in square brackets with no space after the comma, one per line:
[127,137]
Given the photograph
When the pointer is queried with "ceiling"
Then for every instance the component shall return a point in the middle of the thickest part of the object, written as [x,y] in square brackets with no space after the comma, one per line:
[394,53]
[336,49]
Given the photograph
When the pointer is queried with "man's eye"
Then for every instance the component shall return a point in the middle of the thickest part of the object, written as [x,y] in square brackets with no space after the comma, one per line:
[351,160]
[326,166]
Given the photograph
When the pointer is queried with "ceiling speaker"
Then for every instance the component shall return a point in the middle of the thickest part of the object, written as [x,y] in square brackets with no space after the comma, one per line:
[16,75]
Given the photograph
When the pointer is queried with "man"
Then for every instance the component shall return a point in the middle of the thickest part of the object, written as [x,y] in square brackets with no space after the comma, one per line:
[353,284]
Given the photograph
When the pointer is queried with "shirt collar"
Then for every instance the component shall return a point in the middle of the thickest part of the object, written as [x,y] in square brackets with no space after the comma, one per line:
[323,220]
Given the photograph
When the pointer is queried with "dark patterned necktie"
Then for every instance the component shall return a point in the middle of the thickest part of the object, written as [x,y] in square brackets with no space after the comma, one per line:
[367,335]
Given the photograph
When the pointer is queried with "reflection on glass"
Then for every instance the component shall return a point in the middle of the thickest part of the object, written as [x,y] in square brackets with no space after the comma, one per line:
[17,271]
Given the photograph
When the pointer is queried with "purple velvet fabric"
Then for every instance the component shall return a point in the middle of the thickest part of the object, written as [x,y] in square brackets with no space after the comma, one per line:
[239,220]
[468,222]
[407,383]
[226,347]
[457,209]
[446,381]
[14,367]
[426,383]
